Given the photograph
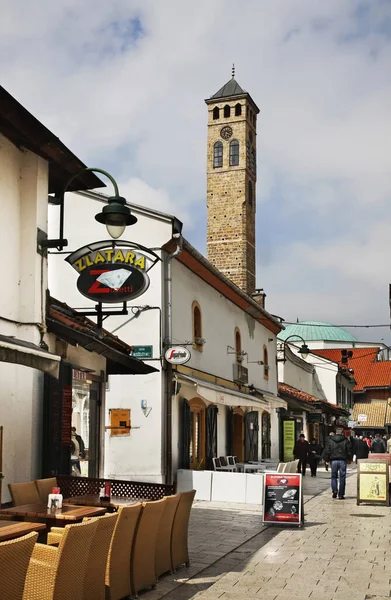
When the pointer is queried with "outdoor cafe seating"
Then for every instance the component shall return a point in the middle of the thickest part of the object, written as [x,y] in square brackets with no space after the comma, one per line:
[106,557]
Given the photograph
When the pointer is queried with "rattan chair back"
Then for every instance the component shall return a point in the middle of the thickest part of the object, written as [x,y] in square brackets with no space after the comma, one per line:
[179,538]
[142,564]
[59,573]
[14,561]
[23,493]
[118,562]
[44,487]
[94,583]
[163,562]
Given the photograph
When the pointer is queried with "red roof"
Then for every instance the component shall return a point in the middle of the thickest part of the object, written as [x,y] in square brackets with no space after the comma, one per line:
[367,371]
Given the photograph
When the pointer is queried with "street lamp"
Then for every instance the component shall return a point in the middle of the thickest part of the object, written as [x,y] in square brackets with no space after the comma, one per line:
[115,215]
[304,350]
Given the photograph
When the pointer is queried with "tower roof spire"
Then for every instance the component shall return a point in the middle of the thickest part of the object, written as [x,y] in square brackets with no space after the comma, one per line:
[233,71]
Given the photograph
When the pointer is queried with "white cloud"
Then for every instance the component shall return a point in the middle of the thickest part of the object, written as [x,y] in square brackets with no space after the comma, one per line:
[319,72]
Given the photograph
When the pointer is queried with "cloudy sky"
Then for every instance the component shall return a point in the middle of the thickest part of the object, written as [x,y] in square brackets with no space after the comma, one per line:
[122,83]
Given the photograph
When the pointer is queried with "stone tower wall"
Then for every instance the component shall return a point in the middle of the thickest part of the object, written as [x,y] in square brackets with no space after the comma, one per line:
[231,217]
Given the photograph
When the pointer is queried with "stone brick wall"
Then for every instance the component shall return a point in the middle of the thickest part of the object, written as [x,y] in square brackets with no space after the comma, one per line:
[231,217]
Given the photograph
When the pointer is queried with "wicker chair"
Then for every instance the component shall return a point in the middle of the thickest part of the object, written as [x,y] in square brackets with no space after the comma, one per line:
[44,487]
[163,562]
[59,573]
[14,561]
[142,564]
[180,529]
[23,493]
[94,584]
[118,562]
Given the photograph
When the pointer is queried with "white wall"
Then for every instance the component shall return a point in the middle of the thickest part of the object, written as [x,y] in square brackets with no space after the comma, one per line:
[138,455]
[23,208]
[220,317]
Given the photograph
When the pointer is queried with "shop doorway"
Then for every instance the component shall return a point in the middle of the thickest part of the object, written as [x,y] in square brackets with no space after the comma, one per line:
[197,445]
[238,434]
[251,436]
[266,443]
[85,442]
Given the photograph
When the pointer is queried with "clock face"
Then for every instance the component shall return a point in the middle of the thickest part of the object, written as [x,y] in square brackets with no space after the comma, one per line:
[226,132]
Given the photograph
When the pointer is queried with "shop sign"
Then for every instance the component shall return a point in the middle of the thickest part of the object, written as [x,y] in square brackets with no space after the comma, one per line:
[282,499]
[178,355]
[288,439]
[143,352]
[314,417]
[362,418]
[110,274]
[373,481]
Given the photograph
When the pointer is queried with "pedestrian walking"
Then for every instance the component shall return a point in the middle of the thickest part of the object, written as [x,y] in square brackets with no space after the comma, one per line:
[314,455]
[367,441]
[300,452]
[338,452]
[378,446]
[361,448]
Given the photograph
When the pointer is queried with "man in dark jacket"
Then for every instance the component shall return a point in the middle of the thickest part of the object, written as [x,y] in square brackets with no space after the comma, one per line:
[300,452]
[338,451]
[314,452]
[361,449]
[377,445]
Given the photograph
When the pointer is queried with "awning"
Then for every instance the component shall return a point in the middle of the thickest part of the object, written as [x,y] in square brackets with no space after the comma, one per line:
[217,394]
[20,352]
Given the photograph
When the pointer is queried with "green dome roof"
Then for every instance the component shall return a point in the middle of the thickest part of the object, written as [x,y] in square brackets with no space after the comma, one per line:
[316,331]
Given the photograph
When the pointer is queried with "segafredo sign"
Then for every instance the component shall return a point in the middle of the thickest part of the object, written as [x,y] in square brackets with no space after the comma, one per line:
[178,355]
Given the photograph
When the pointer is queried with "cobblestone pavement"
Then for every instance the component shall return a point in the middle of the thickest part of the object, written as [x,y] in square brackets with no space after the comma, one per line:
[343,552]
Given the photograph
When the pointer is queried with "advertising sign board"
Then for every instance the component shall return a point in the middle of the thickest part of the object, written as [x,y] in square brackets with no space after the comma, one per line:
[283,498]
[289,439]
[373,481]
[178,355]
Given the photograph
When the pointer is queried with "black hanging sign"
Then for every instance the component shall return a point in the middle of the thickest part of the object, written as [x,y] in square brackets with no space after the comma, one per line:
[110,273]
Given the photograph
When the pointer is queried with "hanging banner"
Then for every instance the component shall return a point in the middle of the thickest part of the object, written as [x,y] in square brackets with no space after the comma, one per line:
[283,498]
[288,439]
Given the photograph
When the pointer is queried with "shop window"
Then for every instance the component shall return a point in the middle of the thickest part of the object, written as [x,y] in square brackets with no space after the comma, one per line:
[218,155]
[216,113]
[265,363]
[197,327]
[234,153]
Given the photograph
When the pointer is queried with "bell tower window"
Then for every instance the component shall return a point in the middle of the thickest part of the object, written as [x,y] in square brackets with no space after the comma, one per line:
[216,113]
[238,110]
[234,153]
[227,111]
[218,155]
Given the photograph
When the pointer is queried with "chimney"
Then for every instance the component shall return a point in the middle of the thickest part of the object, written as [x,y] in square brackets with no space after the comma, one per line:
[259,296]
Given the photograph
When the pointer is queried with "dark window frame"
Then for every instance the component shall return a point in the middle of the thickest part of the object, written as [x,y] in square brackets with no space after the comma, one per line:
[217,155]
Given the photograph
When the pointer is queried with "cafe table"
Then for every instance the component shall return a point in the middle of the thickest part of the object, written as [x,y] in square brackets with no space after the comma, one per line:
[10,530]
[111,505]
[59,516]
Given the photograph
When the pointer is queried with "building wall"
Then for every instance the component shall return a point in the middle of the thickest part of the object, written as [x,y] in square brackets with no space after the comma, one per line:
[231,213]
[23,209]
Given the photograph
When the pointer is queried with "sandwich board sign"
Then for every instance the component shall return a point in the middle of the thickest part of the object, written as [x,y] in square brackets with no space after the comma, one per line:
[283,499]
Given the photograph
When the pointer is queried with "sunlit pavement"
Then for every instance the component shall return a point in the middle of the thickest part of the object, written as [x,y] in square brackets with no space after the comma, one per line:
[342,552]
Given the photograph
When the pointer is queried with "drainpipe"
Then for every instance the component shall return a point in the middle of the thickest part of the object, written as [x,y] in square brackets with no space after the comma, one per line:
[168,379]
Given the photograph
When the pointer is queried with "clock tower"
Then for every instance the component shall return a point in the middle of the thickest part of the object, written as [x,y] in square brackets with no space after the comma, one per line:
[231,180]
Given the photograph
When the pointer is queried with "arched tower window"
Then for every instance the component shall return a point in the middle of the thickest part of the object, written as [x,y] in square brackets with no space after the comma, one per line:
[250,193]
[238,110]
[238,345]
[234,153]
[227,111]
[218,155]
[216,113]
[265,363]
[197,326]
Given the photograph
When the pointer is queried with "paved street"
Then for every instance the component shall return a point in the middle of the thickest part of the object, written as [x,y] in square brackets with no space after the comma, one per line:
[343,552]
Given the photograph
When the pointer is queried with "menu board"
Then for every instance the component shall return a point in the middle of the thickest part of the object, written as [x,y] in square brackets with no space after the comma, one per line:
[373,481]
[282,498]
